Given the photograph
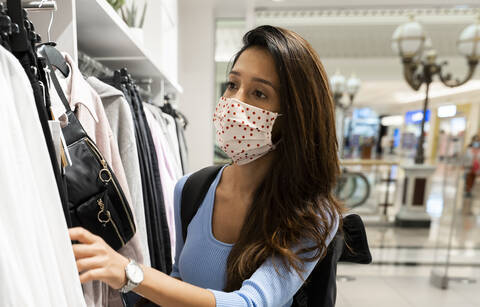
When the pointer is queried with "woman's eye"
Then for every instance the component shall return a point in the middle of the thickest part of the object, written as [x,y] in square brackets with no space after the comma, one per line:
[231,85]
[260,94]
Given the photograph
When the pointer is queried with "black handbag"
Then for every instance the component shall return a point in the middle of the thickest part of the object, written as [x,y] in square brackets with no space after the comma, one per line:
[95,199]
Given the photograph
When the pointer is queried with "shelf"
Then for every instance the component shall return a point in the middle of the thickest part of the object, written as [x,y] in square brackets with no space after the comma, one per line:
[104,36]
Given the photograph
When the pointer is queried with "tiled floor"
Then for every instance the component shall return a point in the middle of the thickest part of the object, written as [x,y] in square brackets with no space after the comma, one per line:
[403,259]
[404,291]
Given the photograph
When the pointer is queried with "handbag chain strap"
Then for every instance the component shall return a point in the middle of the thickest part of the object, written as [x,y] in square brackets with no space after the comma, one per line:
[57,86]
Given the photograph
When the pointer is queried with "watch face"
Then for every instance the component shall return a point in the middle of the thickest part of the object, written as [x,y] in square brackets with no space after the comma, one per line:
[134,273]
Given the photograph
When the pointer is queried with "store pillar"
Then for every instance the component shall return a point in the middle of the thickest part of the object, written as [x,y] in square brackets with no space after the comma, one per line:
[196,74]
[340,118]
[415,189]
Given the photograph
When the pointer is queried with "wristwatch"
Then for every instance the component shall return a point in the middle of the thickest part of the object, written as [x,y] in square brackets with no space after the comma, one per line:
[134,275]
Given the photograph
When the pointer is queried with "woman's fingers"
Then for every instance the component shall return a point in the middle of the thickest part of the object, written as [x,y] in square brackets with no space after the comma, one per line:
[86,250]
[96,260]
[82,235]
[91,263]
[114,279]
[95,274]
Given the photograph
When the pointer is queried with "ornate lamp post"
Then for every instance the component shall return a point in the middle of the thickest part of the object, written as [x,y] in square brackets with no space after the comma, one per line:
[420,66]
[340,86]
[420,63]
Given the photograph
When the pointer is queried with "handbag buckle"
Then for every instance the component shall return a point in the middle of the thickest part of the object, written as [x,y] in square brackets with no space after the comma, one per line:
[105,175]
[103,215]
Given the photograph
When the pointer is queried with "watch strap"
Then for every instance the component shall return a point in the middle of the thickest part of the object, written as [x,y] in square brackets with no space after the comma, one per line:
[130,285]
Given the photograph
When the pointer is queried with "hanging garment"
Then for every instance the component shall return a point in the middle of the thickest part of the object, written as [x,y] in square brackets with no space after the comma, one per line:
[158,219]
[167,173]
[23,50]
[155,216]
[121,121]
[173,138]
[182,143]
[89,110]
[160,222]
[180,122]
[37,266]
[171,156]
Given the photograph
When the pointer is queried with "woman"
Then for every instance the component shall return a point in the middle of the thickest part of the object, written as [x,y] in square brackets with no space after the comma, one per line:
[267,218]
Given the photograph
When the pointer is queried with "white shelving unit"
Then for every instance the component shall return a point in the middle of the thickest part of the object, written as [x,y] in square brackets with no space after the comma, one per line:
[103,35]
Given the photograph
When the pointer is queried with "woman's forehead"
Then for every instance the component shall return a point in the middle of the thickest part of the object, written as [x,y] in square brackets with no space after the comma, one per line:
[257,62]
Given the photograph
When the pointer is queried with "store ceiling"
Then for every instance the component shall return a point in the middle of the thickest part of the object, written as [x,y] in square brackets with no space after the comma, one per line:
[355,36]
[237,7]
[361,3]
[372,41]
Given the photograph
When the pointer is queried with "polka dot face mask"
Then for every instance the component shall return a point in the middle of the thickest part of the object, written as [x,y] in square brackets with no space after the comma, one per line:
[244,132]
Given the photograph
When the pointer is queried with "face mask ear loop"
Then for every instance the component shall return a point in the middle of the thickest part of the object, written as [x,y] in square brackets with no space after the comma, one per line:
[274,146]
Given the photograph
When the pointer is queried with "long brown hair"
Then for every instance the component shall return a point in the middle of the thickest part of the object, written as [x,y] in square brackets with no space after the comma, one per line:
[294,203]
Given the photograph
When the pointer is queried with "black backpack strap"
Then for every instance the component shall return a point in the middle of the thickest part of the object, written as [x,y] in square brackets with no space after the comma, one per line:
[320,288]
[349,245]
[193,193]
[356,240]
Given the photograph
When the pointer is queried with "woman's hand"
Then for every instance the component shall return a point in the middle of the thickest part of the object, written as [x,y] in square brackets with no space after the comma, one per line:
[96,260]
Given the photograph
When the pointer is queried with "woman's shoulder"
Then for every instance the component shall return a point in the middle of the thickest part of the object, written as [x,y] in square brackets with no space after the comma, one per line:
[177,192]
[330,219]
[181,183]
[202,175]
[333,222]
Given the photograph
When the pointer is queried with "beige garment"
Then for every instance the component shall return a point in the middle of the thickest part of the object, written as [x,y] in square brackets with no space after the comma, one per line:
[121,121]
[89,110]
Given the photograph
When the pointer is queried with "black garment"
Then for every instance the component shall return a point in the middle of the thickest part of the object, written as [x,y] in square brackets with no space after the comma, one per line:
[5,29]
[155,216]
[22,46]
[160,218]
[59,178]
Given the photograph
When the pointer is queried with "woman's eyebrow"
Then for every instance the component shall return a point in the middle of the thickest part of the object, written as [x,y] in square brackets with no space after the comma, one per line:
[263,81]
[256,79]
[234,72]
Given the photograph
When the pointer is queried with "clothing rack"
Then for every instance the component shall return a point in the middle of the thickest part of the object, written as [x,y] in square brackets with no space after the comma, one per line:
[150,170]
[19,37]
[39,5]
[145,86]
[7,27]
[171,109]
[36,6]
[92,67]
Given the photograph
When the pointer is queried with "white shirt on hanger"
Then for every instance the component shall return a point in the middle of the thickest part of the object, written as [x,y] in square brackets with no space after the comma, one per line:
[37,266]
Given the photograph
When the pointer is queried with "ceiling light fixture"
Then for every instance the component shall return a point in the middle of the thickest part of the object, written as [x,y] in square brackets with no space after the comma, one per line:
[447,111]
[339,86]
[394,120]
[420,63]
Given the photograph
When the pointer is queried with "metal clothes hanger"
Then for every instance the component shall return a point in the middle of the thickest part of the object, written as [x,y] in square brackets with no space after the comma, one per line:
[49,52]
